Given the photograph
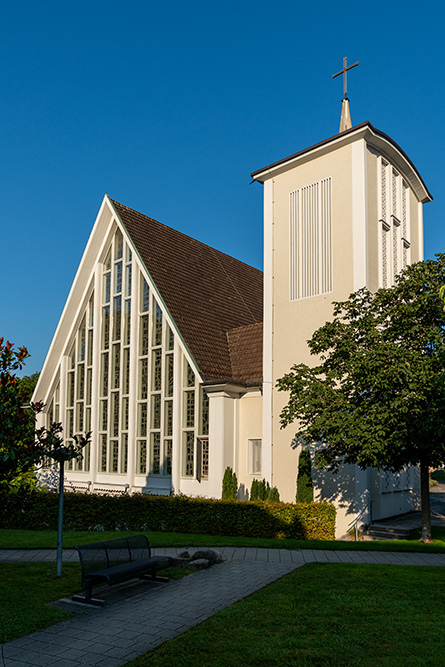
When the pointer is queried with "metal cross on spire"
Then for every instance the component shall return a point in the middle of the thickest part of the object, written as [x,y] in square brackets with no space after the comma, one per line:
[345,120]
[344,72]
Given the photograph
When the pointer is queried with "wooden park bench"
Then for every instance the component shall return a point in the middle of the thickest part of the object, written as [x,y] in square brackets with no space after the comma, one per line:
[116,561]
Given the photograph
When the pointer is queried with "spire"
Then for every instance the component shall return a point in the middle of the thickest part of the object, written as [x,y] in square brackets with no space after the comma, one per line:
[345,120]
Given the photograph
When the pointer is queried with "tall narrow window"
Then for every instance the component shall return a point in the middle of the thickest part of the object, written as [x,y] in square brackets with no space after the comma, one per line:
[118,245]
[189,379]
[203,413]
[155,453]
[155,419]
[106,328]
[107,288]
[254,456]
[189,409]
[157,325]
[169,375]
[170,339]
[143,340]
[167,457]
[124,454]
[103,453]
[127,322]
[188,453]
[118,278]
[145,295]
[117,308]
[128,273]
[141,457]
[202,463]
[156,370]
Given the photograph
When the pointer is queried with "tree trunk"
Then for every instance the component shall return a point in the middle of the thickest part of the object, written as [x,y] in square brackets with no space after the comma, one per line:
[425,501]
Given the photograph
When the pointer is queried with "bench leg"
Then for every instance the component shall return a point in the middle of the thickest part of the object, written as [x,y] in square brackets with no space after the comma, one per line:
[87,598]
[152,576]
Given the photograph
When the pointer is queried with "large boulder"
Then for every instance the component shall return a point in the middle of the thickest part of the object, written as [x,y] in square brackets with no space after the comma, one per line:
[212,555]
[199,564]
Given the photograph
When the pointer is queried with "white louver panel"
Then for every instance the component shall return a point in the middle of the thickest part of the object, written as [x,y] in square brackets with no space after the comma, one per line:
[310,240]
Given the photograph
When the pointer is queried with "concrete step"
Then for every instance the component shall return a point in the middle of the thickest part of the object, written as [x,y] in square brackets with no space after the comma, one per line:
[380,532]
[379,538]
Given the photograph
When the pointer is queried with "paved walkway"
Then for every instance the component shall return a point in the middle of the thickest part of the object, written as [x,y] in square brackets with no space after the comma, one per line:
[142,615]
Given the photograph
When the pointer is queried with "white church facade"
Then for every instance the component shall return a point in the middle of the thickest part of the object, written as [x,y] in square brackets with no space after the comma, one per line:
[168,350]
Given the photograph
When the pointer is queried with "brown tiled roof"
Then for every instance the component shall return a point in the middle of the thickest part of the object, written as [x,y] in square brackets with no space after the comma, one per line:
[206,292]
[246,353]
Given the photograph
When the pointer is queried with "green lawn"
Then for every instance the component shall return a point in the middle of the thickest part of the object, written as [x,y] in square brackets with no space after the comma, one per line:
[33,539]
[320,615]
[323,615]
[25,588]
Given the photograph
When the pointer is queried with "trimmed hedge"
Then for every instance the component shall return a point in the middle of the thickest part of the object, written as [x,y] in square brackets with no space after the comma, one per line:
[38,511]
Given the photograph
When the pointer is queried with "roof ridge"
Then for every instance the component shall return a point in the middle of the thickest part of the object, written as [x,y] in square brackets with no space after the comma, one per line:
[235,288]
[229,348]
[244,326]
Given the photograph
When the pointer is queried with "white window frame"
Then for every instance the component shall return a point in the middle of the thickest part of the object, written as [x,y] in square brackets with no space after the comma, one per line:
[251,457]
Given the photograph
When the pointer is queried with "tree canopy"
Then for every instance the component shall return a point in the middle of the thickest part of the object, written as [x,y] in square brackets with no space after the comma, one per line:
[17,445]
[21,447]
[27,384]
[376,393]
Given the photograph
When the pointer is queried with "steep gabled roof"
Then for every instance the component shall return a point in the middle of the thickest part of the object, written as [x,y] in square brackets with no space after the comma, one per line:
[206,292]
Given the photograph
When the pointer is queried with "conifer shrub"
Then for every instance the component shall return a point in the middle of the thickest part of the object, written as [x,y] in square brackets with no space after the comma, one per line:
[261,490]
[273,495]
[38,510]
[229,485]
[258,490]
[305,489]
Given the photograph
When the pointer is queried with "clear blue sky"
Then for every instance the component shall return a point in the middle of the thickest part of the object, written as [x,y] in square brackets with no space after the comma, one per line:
[169,110]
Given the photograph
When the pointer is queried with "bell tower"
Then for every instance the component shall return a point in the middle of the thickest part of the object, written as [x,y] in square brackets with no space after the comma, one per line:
[340,215]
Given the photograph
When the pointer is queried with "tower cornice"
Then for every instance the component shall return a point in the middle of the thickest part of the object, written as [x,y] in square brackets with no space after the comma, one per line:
[374,138]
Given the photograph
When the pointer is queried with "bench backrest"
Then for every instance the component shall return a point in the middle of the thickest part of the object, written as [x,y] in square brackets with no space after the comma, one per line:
[102,555]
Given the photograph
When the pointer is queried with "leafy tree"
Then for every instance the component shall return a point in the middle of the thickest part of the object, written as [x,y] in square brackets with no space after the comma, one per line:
[230,485]
[376,395]
[27,384]
[18,450]
[305,489]
[21,447]
[26,474]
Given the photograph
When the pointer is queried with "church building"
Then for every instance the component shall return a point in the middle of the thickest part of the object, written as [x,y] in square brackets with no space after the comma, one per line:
[168,350]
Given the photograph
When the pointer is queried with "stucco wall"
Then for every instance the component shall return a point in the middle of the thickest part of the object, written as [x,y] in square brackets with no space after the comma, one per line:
[295,321]
[250,415]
